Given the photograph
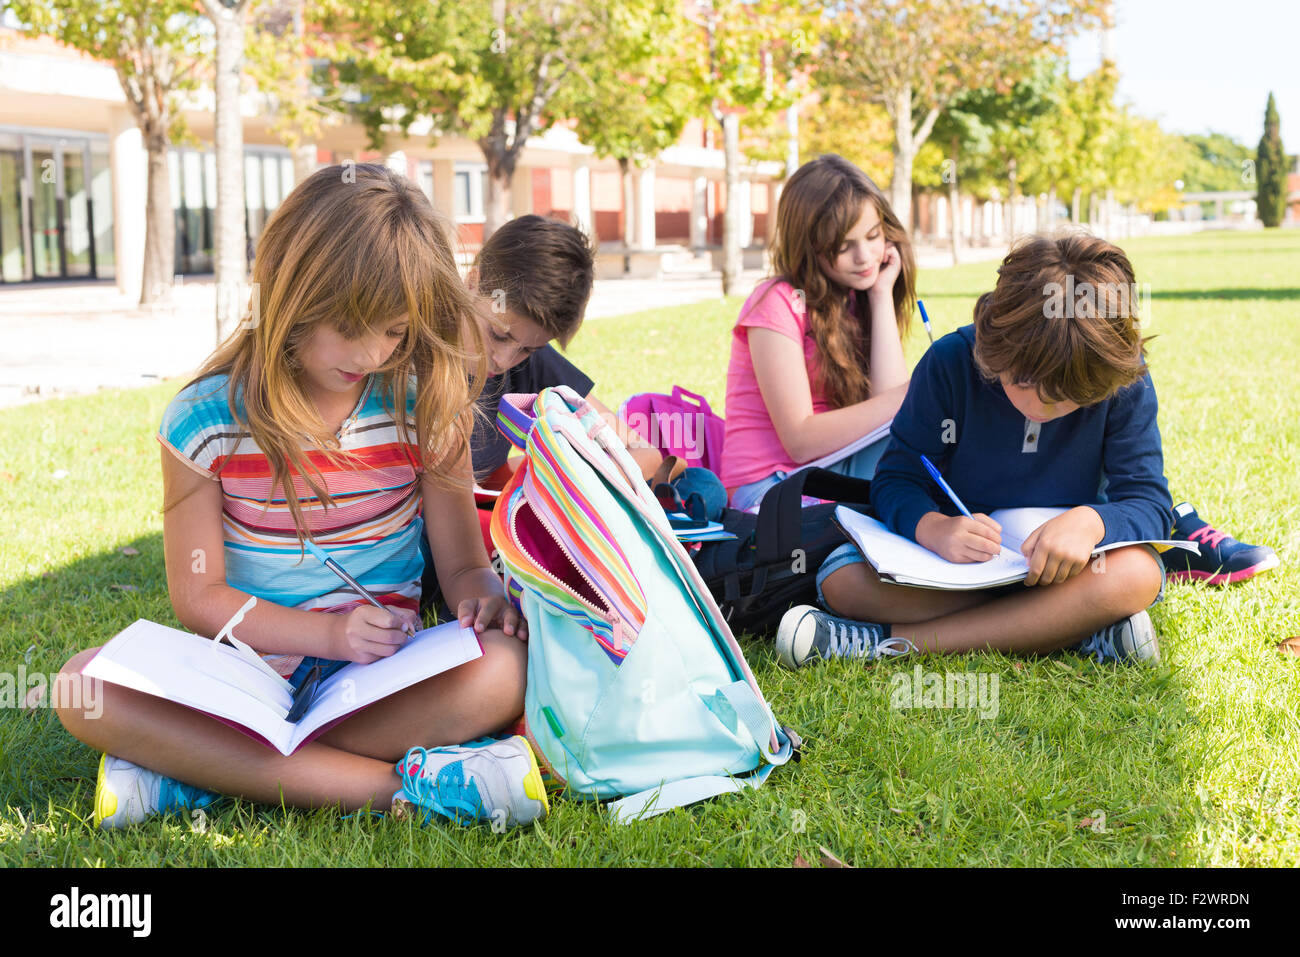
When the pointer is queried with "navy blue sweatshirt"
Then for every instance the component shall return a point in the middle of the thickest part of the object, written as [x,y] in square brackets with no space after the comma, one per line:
[993,457]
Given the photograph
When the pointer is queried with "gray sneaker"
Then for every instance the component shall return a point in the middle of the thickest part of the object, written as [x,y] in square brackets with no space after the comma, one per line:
[807,633]
[1129,639]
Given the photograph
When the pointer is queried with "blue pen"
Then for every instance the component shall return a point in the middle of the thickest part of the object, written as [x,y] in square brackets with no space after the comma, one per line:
[925,320]
[934,474]
[356,586]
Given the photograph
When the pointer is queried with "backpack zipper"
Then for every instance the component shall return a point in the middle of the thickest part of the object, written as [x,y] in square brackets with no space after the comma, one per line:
[610,617]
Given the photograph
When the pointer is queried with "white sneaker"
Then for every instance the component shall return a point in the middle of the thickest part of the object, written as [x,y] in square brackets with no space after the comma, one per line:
[496,781]
[807,633]
[126,794]
[1129,639]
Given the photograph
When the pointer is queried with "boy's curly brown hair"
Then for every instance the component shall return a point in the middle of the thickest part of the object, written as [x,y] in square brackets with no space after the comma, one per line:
[1064,318]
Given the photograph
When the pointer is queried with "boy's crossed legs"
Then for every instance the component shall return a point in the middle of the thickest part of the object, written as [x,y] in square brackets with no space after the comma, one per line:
[1032,620]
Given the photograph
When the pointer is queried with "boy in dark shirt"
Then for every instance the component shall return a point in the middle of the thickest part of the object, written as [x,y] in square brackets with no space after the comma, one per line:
[534,277]
[1044,401]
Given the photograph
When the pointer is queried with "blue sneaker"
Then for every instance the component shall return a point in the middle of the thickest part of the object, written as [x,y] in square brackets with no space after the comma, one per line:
[486,780]
[1223,560]
[126,794]
[807,633]
[1129,639]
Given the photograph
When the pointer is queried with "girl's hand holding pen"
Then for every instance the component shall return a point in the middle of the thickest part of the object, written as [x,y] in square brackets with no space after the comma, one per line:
[366,633]
[493,610]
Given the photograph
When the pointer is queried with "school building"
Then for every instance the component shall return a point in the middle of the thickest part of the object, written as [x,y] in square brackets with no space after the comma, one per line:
[73,176]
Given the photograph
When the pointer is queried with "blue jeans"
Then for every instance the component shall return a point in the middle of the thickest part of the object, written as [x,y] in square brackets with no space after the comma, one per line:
[861,464]
[327,667]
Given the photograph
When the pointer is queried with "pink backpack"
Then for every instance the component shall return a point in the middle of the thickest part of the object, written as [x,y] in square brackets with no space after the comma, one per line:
[681,424]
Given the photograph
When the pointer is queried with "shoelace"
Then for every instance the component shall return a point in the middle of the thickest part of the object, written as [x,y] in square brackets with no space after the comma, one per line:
[1100,643]
[173,794]
[423,787]
[1207,535]
[859,641]
[849,640]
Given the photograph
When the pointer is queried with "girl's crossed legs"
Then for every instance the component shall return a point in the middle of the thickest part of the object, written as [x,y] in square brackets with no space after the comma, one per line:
[351,764]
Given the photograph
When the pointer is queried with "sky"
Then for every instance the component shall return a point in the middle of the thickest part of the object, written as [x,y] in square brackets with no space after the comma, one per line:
[1199,65]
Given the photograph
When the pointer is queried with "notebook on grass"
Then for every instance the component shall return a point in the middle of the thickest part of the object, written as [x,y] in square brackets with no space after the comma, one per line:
[904,562]
[222,681]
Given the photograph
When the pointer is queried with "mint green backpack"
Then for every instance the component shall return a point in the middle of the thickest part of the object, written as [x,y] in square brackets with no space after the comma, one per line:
[636,686]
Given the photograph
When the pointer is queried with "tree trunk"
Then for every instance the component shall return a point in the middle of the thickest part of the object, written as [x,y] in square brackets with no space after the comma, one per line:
[954,204]
[304,155]
[231,232]
[496,205]
[1011,200]
[160,227]
[1075,200]
[629,211]
[900,186]
[731,255]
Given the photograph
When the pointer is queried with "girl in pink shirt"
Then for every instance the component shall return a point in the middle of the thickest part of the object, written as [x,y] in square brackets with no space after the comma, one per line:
[817,355]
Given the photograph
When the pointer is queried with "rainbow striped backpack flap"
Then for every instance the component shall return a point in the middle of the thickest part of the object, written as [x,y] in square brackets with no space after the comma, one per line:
[636,686]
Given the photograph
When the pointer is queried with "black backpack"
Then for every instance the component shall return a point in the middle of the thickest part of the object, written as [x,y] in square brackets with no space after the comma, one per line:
[772,563]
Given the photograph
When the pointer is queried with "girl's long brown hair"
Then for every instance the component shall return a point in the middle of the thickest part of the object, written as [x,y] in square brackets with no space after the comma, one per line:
[821,202]
[354,246]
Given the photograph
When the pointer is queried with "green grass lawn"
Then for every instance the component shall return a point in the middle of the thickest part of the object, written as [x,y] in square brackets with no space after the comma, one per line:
[1194,762]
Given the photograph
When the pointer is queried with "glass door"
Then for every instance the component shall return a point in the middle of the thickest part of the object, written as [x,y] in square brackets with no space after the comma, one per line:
[78,252]
[46,210]
[13,248]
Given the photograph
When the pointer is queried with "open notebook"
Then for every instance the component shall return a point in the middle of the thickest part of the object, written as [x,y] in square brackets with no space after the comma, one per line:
[904,562]
[239,689]
[826,461]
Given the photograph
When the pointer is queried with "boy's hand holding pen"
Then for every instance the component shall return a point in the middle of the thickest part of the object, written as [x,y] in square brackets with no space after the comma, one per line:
[958,538]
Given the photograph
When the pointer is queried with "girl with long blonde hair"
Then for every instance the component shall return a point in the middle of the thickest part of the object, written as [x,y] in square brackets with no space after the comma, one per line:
[340,413]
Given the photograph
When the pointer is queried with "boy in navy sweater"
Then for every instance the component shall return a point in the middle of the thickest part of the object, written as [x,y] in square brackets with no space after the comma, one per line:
[1044,401]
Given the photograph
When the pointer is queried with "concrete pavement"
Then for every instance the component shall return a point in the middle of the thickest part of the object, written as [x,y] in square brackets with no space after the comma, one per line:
[60,339]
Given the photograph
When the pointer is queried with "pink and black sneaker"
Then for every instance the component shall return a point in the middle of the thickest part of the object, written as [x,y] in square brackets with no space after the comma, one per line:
[1223,560]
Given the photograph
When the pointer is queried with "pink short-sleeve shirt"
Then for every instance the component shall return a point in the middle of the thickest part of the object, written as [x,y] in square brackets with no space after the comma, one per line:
[752,449]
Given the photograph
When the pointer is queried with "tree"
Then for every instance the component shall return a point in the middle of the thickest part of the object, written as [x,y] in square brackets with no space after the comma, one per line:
[160,51]
[231,253]
[745,55]
[277,62]
[995,134]
[1271,169]
[1215,162]
[640,107]
[848,124]
[922,55]
[1085,130]
[488,72]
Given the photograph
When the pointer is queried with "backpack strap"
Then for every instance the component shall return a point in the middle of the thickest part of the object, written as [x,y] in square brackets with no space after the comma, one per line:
[655,801]
[778,532]
[515,417]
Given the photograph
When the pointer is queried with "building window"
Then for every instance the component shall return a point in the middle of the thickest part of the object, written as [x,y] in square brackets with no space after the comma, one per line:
[469,189]
[267,179]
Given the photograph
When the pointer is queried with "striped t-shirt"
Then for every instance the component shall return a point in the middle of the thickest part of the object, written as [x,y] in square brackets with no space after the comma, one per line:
[373,528]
